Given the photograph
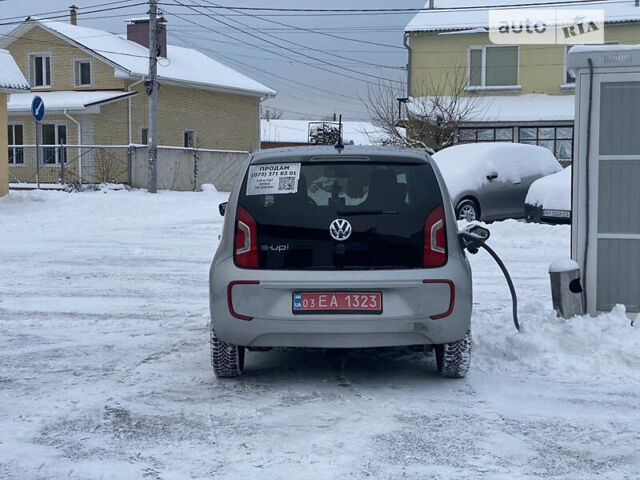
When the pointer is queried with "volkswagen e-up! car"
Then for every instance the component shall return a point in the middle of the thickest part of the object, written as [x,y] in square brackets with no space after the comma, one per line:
[331,248]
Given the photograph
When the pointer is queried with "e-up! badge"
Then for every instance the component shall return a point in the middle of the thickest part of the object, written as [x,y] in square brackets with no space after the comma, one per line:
[273,178]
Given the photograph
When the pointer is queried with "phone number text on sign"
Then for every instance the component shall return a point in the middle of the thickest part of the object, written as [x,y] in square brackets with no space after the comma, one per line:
[273,178]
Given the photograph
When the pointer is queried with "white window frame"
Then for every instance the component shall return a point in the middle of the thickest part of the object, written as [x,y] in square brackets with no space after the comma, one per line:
[483,74]
[194,137]
[32,73]
[14,147]
[76,62]
[57,124]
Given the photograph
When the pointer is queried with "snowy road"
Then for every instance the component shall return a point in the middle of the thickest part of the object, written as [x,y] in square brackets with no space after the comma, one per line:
[104,367]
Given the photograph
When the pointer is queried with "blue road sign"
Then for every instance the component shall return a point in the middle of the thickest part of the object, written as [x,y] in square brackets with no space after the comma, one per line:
[37,108]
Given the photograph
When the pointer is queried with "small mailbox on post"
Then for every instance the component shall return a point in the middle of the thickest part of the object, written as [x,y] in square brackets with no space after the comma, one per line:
[605,230]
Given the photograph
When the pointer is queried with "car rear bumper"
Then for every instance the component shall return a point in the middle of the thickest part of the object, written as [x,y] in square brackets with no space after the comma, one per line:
[421,306]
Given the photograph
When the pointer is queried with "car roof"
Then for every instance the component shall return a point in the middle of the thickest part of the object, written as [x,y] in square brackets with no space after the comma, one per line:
[350,152]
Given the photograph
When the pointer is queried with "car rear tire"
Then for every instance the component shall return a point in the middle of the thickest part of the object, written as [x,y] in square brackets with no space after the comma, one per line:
[227,360]
[468,210]
[454,358]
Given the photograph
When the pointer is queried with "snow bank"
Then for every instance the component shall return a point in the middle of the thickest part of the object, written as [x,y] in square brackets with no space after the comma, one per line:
[581,347]
[553,191]
[465,167]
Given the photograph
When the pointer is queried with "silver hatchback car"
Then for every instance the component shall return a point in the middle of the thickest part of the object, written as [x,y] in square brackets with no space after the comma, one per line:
[336,248]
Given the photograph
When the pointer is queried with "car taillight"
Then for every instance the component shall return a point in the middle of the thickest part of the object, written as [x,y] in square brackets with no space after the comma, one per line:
[245,253]
[435,238]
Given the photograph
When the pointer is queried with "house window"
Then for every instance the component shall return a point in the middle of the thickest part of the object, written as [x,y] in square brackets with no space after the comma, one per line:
[144,136]
[493,134]
[569,78]
[558,140]
[493,66]
[82,73]
[15,137]
[53,134]
[189,139]
[40,65]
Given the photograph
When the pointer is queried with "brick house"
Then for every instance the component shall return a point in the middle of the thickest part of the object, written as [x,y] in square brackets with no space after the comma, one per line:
[522,93]
[92,84]
[11,81]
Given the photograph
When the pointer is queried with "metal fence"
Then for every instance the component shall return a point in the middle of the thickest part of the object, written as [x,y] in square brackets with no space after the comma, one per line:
[179,168]
[69,164]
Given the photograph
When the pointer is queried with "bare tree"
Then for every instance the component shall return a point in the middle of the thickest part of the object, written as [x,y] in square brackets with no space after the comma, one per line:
[428,121]
[270,113]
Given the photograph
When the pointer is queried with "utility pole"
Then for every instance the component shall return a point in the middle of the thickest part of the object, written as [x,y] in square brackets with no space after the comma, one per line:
[152,91]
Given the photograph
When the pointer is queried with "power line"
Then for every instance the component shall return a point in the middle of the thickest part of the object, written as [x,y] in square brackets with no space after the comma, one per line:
[408,10]
[313,88]
[306,46]
[285,48]
[329,35]
[66,11]
[79,13]
[189,29]
[295,52]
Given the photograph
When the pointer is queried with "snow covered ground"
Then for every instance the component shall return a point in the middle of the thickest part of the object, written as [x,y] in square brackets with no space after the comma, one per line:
[104,365]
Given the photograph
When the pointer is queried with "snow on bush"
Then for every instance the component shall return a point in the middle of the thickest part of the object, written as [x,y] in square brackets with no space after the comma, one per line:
[552,192]
[465,167]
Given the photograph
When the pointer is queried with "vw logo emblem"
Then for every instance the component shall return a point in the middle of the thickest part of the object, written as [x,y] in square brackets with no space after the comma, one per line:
[340,229]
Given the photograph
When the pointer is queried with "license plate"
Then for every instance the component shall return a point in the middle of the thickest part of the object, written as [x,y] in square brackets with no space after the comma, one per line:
[337,302]
[556,213]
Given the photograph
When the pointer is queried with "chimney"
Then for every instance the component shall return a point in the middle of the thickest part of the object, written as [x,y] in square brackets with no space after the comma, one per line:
[73,15]
[431,6]
[138,31]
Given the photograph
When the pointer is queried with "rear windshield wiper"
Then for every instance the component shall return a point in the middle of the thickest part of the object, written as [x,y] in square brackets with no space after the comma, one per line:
[366,212]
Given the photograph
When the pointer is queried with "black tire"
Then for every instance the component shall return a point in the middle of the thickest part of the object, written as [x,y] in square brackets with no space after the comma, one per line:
[227,360]
[454,358]
[468,210]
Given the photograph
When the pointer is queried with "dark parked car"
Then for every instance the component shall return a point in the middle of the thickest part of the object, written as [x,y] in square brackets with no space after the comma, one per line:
[490,181]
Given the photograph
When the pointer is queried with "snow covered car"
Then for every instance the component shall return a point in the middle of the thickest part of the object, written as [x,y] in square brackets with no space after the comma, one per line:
[549,199]
[490,181]
[340,250]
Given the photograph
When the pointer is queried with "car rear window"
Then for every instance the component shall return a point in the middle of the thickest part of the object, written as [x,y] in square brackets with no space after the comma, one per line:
[385,203]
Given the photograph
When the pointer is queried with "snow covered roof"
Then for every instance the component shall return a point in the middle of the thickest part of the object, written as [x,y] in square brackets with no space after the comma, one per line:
[65,100]
[182,65]
[11,78]
[446,17]
[297,131]
[532,107]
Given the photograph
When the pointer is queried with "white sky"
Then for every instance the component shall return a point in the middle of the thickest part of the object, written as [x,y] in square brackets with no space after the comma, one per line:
[341,95]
